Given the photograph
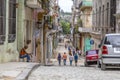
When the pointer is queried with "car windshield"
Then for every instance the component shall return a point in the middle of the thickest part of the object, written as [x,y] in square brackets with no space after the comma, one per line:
[112,40]
[92,52]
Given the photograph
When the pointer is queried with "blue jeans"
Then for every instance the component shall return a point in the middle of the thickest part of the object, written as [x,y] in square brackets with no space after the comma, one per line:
[26,56]
[59,61]
[70,62]
[64,61]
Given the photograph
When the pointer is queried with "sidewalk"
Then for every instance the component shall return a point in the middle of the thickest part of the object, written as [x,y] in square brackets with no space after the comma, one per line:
[16,70]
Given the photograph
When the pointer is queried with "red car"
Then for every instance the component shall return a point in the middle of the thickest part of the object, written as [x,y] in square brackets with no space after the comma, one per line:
[91,57]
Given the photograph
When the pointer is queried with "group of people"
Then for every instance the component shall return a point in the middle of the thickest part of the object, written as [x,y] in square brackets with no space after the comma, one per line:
[64,58]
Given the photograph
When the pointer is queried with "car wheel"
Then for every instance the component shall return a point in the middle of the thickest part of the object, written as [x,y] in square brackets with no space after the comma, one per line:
[98,64]
[103,66]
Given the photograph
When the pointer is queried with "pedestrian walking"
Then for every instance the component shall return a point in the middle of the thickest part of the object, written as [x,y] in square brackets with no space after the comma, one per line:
[71,59]
[59,59]
[76,59]
[70,52]
[65,45]
[73,52]
[79,52]
[69,48]
[64,58]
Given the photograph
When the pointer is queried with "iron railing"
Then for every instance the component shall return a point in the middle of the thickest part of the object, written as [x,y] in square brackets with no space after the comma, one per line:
[11,38]
[2,39]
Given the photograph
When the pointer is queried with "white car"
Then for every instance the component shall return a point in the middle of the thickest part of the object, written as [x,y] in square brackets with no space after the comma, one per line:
[109,51]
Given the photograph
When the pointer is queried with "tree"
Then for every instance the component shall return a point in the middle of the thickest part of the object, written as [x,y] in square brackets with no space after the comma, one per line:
[65,26]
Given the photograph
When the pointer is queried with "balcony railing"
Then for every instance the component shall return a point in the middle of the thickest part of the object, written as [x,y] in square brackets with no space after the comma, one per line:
[11,38]
[103,30]
[33,3]
[84,30]
[2,39]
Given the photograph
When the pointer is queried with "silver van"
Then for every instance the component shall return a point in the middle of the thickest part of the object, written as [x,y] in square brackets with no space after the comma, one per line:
[109,51]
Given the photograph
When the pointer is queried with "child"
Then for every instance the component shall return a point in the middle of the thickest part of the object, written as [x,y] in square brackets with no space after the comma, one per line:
[71,59]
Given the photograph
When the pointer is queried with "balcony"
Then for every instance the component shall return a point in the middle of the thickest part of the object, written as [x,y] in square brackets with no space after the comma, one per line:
[103,30]
[33,3]
[84,30]
[85,4]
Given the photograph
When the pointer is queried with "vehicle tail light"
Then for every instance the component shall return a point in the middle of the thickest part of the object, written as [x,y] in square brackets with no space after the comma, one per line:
[104,50]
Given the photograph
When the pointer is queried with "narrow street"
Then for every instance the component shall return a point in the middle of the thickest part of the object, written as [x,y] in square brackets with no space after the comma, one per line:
[68,72]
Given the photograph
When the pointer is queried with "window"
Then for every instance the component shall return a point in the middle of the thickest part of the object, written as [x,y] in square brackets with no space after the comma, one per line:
[107,14]
[103,16]
[112,40]
[99,16]
[12,20]
[2,21]
[92,52]
[96,18]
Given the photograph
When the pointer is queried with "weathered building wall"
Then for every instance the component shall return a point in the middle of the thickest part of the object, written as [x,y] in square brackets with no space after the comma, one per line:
[8,50]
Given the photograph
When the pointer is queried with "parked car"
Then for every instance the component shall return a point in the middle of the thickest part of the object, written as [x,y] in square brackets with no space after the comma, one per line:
[109,51]
[91,57]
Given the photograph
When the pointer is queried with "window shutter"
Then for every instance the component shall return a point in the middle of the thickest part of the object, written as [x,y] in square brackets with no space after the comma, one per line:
[2,21]
[12,21]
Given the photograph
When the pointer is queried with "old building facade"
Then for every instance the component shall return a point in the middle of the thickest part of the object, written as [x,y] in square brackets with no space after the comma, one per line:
[82,18]
[8,38]
[103,19]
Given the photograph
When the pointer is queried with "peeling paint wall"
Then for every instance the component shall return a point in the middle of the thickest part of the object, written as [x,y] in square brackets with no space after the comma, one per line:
[8,51]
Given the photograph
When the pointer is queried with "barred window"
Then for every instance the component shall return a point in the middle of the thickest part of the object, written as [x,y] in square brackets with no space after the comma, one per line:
[12,21]
[2,21]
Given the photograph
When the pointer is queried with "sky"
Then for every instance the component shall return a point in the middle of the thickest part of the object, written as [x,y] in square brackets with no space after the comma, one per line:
[65,5]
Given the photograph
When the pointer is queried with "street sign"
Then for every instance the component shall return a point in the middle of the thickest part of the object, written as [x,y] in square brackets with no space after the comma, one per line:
[91,42]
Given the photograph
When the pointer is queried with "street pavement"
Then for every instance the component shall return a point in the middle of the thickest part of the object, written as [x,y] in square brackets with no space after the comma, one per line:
[73,72]
[16,70]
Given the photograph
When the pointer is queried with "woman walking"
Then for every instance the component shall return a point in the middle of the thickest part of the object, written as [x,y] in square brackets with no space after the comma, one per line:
[76,59]
[59,59]
[71,59]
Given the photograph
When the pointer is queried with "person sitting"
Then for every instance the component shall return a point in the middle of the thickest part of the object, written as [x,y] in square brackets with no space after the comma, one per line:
[24,54]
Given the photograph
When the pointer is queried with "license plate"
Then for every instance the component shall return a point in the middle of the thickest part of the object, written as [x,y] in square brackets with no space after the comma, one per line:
[117,49]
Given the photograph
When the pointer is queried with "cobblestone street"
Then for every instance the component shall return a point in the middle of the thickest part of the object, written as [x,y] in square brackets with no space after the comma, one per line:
[73,72]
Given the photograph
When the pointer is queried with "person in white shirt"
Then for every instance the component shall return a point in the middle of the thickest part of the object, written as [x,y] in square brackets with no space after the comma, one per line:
[71,59]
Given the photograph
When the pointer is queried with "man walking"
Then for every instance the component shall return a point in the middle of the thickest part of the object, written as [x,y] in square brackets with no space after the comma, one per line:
[59,59]
[64,58]
[76,59]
